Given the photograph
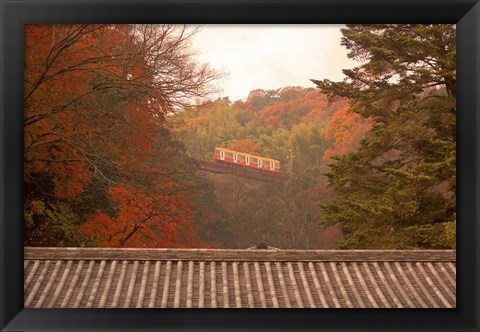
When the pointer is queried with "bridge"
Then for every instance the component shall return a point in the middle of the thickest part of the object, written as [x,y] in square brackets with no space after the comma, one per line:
[227,168]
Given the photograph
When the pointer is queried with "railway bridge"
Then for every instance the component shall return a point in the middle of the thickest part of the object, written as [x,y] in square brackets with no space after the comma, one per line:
[228,168]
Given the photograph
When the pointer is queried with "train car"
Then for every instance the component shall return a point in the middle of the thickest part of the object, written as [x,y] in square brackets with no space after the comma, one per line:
[247,160]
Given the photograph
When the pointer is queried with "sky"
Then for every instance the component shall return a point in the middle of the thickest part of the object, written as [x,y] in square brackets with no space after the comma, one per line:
[271,56]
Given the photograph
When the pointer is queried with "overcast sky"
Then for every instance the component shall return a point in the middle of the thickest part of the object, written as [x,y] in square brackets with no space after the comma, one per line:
[271,56]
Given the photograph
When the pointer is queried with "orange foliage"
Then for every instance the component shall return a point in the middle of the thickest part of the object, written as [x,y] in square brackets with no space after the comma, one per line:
[143,220]
[86,111]
[89,113]
[194,122]
[296,105]
[345,130]
[245,145]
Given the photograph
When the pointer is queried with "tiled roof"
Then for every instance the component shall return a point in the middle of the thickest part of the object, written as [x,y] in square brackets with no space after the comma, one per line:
[203,278]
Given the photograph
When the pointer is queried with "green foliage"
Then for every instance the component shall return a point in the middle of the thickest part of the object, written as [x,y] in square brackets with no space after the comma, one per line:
[63,221]
[53,224]
[360,239]
[435,236]
[259,99]
[401,181]
[37,208]
[451,233]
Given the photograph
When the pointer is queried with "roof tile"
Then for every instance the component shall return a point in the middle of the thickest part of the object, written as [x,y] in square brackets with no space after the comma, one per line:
[125,278]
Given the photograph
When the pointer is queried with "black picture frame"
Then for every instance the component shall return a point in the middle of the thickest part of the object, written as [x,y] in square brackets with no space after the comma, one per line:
[16,13]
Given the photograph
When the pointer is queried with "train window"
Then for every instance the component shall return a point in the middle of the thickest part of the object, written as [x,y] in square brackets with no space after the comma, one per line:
[240,157]
[235,157]
[217,152]
[248,160]
[277,165]
[254,160]
[259,162]
[229,155]
[266,163]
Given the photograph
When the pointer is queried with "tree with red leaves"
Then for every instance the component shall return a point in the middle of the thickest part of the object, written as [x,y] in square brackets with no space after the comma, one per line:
[143,220]
[96,98]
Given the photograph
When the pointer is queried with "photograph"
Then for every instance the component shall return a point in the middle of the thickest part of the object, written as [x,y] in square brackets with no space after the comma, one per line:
[240,165]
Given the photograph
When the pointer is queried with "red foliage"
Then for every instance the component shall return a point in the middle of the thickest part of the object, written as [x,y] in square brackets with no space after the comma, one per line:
[143,220]
[90,112]
[85,103]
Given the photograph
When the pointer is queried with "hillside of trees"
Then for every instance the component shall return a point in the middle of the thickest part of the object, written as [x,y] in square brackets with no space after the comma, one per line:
[118,117]
[297,126]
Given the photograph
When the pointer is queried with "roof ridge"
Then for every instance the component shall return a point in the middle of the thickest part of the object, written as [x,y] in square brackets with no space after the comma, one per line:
[237,254]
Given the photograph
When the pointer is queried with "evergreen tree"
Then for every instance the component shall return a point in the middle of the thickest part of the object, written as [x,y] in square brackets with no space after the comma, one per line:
[398,189]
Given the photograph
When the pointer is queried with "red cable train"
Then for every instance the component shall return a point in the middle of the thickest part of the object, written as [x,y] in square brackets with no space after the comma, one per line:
[247,160]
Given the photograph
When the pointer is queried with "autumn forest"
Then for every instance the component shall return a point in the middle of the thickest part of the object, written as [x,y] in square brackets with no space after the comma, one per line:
[119,119]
